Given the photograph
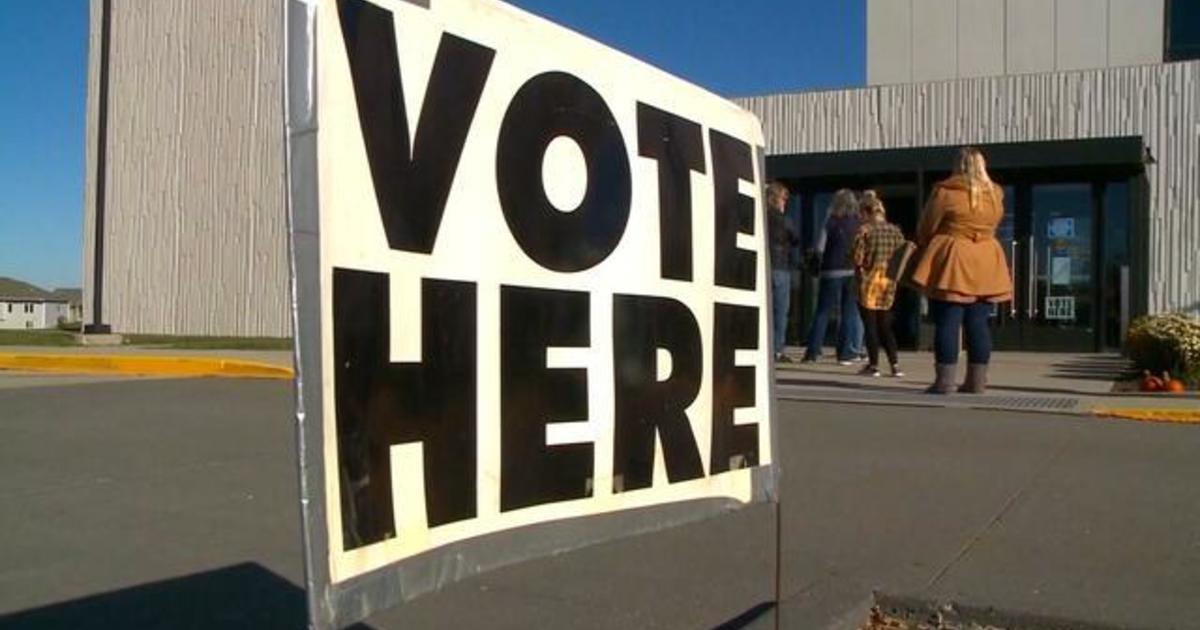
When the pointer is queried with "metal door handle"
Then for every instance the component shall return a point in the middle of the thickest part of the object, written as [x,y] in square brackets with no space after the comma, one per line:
[1012,276]
[1031,286]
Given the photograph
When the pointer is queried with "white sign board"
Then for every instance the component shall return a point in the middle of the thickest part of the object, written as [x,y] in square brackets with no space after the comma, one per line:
[1060,308]
[1061,227]
[1060,270]
[531,282]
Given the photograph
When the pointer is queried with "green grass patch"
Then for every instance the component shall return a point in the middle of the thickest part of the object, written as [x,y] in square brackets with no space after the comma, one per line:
[49,337]
[209,343]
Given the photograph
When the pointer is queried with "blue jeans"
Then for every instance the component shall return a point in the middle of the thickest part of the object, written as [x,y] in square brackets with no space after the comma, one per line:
[948,320]
[781,293]
[837,292]
[857,328]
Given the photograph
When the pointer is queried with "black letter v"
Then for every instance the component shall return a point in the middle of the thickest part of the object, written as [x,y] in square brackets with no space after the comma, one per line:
[411,186]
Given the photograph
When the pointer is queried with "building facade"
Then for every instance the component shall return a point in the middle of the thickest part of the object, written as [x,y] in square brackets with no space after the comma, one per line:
[1089,111]
[185,169]
[1089,125]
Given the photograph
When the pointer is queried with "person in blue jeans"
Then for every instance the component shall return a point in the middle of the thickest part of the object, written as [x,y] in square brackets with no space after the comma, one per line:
[782,239]
[963,270]
[949,318]
[837,285]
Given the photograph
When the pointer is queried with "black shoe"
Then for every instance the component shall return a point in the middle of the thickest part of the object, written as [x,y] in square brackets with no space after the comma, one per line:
[869,370]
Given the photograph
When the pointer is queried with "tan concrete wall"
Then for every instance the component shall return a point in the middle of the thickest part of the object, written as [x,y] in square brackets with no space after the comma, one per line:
[930,40]
[195,229]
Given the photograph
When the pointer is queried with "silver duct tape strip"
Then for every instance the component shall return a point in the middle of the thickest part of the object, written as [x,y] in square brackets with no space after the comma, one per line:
[303,212]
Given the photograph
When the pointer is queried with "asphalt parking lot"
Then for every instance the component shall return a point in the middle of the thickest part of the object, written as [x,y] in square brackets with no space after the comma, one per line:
[173,503]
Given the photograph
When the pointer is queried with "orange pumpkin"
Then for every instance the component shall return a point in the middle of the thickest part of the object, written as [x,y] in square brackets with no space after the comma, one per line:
[1175,386]
[1151,383]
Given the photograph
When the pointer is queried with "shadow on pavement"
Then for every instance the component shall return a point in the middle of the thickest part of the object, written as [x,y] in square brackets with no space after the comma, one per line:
[239,596]
[872,385]
[1098,368]
[758,616]
[916,387]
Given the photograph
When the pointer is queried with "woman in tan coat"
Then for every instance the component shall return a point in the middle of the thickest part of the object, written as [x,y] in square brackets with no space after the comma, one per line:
[962,268]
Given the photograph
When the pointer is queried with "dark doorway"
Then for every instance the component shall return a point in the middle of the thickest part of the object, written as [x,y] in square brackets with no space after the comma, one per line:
[1068,234]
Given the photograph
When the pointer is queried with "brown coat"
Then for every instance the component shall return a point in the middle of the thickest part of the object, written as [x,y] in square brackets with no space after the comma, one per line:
[961,260]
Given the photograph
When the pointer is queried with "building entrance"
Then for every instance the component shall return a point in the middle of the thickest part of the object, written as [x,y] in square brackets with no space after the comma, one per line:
[808,211]
[1072,232]
[1067,268]
[1051,257]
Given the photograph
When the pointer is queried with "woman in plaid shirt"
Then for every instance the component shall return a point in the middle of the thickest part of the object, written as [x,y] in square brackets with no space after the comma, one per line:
[875,245]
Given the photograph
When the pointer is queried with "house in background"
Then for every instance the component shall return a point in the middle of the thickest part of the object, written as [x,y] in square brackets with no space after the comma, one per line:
[24,306]
[74,299]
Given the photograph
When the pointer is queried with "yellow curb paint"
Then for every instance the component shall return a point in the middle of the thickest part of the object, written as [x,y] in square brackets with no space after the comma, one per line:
[143,365]
[1181,416]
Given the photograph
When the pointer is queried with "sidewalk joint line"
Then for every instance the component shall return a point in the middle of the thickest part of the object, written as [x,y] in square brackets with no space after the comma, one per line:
[999,516]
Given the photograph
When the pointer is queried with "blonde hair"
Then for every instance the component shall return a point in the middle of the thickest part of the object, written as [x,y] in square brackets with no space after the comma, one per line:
[871,206]
[844,204]
[972,166]
[775,190]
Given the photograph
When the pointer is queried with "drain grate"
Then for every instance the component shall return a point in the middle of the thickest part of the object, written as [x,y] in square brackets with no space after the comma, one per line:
[1032,402]
[1064,404]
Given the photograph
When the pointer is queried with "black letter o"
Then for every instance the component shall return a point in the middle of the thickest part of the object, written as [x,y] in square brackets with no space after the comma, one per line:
[550,105]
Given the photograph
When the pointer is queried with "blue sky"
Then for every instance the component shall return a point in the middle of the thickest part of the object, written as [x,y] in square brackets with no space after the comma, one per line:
[43,57]
[732,47]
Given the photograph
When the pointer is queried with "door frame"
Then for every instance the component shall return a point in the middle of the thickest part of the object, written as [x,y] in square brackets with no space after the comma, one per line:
[1095,161]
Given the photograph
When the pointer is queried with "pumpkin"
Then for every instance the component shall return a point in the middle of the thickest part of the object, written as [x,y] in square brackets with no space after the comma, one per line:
[1151,383]
[1173,385]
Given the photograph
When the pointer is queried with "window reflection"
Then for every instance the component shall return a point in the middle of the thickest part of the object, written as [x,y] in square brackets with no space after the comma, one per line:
[1183,30]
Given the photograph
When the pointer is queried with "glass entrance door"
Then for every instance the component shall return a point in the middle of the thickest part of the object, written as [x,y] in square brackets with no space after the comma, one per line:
[1062,259]
[1052,256]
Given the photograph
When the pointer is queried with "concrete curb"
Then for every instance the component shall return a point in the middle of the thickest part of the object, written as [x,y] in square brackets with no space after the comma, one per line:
[143,365]
[1085,406]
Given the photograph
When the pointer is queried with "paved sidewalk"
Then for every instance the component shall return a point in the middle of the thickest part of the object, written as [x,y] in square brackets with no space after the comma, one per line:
[1025,381]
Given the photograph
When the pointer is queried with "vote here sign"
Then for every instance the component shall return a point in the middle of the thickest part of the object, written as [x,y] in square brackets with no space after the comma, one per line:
[531,295]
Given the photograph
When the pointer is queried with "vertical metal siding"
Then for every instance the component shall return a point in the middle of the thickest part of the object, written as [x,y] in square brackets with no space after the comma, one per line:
[1160,103]
[195,232]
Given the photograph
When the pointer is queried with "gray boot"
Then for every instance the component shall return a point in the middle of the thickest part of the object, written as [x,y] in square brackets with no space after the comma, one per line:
[976,381]
[944,383]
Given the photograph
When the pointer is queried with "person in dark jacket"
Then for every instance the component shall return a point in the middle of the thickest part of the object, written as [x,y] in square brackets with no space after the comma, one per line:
[783,238]
[837,284]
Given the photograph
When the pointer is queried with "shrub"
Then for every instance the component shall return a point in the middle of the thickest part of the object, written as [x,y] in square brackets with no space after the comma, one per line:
[1166,343]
